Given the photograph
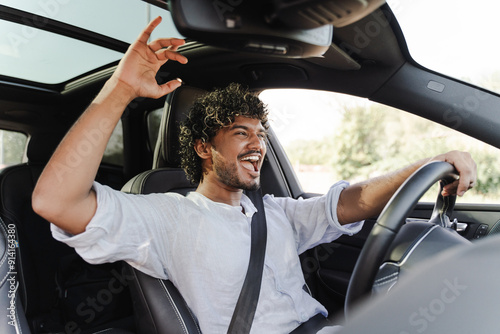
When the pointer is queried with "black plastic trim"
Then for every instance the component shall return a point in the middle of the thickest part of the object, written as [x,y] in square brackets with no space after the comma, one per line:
[60,28]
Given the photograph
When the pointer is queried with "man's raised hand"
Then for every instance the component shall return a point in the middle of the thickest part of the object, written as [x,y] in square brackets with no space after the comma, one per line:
[138,69]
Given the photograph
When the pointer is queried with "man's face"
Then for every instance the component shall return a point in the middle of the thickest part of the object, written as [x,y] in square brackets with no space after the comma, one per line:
[238,152]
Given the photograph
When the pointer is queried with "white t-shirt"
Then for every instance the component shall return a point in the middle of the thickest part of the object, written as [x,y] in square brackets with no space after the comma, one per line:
[203,247]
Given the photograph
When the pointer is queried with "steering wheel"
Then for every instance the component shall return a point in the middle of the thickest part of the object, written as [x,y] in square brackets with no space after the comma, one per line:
[392,219]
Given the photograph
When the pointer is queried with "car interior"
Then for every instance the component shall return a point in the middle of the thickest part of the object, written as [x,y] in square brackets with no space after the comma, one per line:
[415,256]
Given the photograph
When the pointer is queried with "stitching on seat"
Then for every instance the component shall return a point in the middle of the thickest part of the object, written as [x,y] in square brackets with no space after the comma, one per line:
[19,328]
[4,279]
[194,320]
[171,301]
[15,220]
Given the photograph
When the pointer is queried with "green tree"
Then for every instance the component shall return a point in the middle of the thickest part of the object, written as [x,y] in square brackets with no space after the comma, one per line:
[376,139]
[357,143]
[13,145]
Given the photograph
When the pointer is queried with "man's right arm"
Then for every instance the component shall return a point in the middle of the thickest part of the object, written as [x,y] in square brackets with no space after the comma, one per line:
[363,200]
[64,194]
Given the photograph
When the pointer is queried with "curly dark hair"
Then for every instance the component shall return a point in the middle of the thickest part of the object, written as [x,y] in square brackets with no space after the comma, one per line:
[208,115]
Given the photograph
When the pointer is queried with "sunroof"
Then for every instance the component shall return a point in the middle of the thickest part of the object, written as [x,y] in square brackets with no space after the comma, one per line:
[47,57]
[37,55]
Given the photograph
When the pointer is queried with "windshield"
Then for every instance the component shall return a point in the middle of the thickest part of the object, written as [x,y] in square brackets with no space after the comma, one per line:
[36,55]
[453,37]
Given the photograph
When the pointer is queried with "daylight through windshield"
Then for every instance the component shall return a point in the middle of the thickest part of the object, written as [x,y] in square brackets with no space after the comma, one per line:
[453,37]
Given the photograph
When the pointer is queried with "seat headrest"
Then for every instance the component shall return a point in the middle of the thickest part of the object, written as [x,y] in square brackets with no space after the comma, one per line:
[177,105]
[41,146]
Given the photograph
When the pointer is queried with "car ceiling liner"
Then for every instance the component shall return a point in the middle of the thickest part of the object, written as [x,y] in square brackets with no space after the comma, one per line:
[285,28]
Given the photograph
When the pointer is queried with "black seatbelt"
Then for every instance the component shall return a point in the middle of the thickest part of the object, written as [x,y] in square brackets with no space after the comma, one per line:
[313,325]
[244,312]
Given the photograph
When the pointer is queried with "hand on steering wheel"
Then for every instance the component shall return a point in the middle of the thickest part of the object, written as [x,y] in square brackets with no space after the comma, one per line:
[392,219]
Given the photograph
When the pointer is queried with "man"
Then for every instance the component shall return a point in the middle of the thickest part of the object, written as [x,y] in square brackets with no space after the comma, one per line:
[202,242]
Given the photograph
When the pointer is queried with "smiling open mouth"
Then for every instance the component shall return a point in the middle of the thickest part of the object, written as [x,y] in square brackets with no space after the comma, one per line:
[251,162]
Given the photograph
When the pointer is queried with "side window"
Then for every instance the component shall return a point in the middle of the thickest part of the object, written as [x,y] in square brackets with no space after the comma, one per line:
[329,137]
[114,150]
[12,147]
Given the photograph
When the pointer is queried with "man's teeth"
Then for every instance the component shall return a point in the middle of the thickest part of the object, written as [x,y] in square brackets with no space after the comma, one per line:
[251,158]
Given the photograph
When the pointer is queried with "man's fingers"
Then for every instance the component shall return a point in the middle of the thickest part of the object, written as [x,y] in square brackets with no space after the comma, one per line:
[468,175]
[146,33]
[458,187]
[170,86]
[166,54]
[467,169]
[450,189]
[170,43]
[464,184]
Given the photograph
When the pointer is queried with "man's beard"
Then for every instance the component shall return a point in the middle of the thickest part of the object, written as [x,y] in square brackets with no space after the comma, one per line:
[228,175]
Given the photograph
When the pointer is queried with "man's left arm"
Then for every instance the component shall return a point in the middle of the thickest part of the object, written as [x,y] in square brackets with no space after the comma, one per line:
[367,199]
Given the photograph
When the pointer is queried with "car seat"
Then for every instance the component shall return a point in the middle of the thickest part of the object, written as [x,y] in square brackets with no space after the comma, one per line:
[159,308]
[35,246]
[11,311]
[37,254]
[158,305]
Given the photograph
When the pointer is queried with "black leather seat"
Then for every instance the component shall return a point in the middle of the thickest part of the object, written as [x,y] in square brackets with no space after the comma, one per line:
[159,307]
[11,311]
[37,254]
[34,256]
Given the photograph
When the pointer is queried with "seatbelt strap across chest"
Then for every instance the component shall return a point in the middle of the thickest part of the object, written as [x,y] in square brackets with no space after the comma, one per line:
[244,312]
